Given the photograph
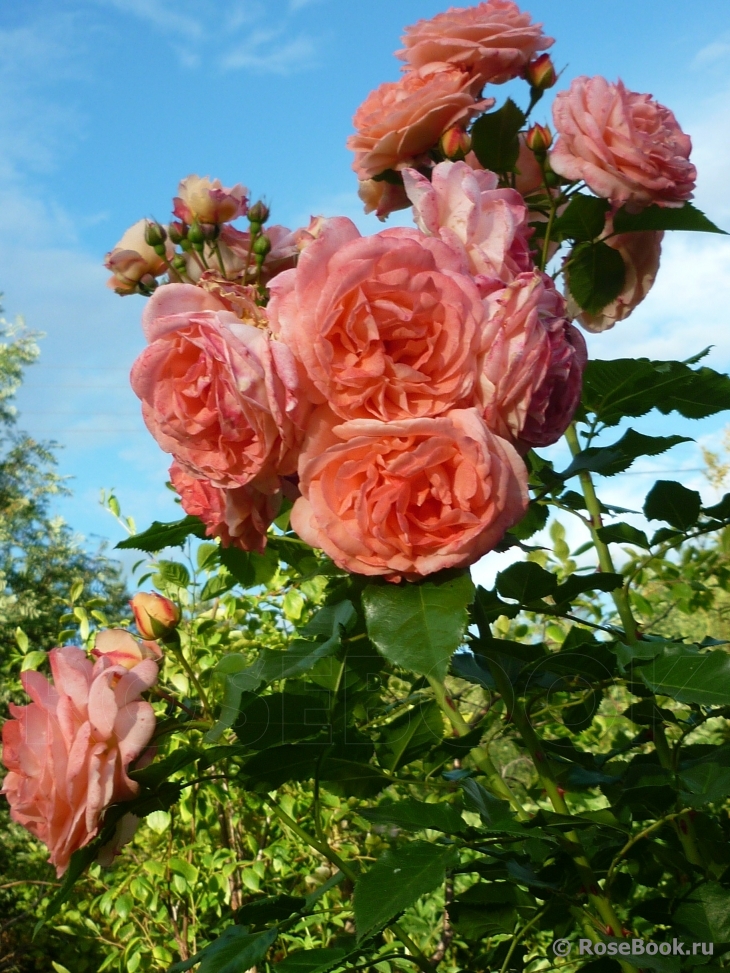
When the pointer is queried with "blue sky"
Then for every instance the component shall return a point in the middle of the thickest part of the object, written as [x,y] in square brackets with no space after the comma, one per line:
[106,104]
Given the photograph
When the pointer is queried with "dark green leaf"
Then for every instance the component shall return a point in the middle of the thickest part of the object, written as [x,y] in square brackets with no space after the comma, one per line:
[705,913]
[234,952]
[623,533]
[633,387]
[418,626]
[267,721]
[247,567]
[721,510]
[272,908]
[172,573]
[525,581]
[160,770]
[579,583]
[583,219]
[216,586]
[706,780]
[690,676]
[412,815]
[671,501]
[311,961]
[579,717]
[396,880]
[609,460]
[596,275]
[468,666]
[159,536]
[410,736]
[686,217]
[494,137]
[533,521]
[496,815]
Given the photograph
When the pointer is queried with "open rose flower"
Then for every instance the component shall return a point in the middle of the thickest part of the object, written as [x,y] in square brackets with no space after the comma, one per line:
[405,499]
[641,253]
[465,209]
[493,40]
[68,751]
[123,649]
[239,517]
[386,327]
[533,366]
[133,259]
[209,201]
[627,147]
[401,120]
[221,396]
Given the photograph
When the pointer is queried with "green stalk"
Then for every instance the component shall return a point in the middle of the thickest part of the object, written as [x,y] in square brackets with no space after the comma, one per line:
[172,641]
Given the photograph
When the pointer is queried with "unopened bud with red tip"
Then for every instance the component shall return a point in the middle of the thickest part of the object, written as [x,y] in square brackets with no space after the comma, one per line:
[155,617]
[155,235]
[258,213]
[455,143]
[539,138]
[210,231]
[177,232]
[540,73]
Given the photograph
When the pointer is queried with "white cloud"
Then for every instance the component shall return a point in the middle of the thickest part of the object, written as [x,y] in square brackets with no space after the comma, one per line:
[167,17]
[713,52]
[263,51]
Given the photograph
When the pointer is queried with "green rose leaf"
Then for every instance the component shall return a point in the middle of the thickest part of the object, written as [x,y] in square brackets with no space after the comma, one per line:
[234,952]
[159,536]
[610,460]
[690,676]
[412,815]
[583,219]
[671,501]
[419,626]
[395,881]
[596,275]
[526,581]
[686,217]
[494,137]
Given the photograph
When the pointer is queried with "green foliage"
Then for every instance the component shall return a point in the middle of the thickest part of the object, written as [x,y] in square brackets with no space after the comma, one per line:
[494,137]
[595,275]
[686,217]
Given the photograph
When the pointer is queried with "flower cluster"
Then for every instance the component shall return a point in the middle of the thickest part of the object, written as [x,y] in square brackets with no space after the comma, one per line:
[389,385]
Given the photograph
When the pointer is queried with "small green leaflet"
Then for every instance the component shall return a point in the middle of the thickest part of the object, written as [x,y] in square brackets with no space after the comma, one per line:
[412,815]
[234,952]
[690,676]
[583,220]
[159,536]
[671,501]
[686,217]
[596,275]
[610,460]
[494,137]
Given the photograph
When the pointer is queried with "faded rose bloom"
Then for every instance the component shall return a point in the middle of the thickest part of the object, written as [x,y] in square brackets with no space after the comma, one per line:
[208,201]
[465,209]
[235,296]
[401,120]
[627,147]
[532,370]
[382,197]
[410,497]
[68,751]
[132,259]
[386,327]
[122,649]
[221,396]
[493,41]
[154,616]
[641,253]
[240,517]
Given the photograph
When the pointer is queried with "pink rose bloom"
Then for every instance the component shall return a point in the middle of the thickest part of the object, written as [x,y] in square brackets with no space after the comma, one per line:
[234,296]
[240,517]
[208,201]
[386,327]
[407,498]
[627,147]
[68,751]
[532,371]
[465,209]
[122,649]
[132,259]
[492,40]
[382,197]
[220,395]
[401,120]
[529,178]
[641,254]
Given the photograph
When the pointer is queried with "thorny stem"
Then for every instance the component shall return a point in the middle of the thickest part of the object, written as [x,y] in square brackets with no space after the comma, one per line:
[605,561]
[479,754]
[331,855]
[173,642]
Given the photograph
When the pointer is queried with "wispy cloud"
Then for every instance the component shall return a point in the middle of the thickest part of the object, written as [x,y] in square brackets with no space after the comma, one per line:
[165,16]
[716,51]
[264,51]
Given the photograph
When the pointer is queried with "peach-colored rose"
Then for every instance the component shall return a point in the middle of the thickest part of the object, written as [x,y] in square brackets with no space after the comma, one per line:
[405,499]
[240,517]
[221,396]
[68,751]
[492,40]
[529,178]
[155,616]
[386,327]
[641,253]
[467,210]
[132,259]
[401,120]
[209,201]
[532,369]
[627,147]
[382,197]
[235,296]
[122,649]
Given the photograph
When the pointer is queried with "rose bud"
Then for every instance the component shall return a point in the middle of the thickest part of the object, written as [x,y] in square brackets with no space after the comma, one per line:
[261,247]
[123,649]
[258,213]
[540,73]
[208,201]
[155,235]
[156,617]
[539,138]
[133,259]
[177,232]
[196,236]
[455,143]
